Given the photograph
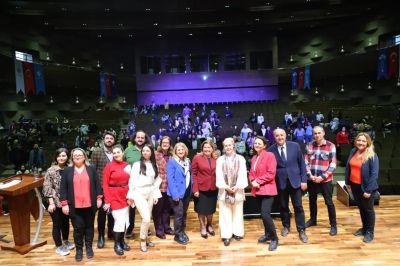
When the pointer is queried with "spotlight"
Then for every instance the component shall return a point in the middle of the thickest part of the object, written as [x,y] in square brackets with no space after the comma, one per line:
[369,86]
[51,100]
[77,100]
[205,77]
[73,61]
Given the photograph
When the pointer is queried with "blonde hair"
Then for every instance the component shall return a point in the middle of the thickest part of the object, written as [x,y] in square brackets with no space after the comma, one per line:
[369,152]
[183,145]
[84,155]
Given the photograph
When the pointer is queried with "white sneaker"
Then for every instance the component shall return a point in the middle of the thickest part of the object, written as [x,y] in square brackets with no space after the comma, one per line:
[62,250]
[69,245]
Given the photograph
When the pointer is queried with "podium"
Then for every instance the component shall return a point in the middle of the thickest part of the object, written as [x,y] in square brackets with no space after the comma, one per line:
[22,203]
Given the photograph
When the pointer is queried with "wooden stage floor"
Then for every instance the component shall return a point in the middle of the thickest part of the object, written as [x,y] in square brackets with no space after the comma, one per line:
[322,249]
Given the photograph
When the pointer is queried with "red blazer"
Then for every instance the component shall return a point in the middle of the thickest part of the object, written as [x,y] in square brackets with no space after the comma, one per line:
[264,174]
[204,178]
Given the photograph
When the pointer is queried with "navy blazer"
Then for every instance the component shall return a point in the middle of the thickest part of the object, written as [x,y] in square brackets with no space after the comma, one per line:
[294,168]
[369,173]
[67,187]
[177,180]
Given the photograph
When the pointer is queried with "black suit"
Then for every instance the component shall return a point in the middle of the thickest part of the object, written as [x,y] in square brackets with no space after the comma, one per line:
[82,218]
[290,173]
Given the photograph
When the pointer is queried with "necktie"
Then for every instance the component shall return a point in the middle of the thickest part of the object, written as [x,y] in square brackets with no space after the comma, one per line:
[283,156]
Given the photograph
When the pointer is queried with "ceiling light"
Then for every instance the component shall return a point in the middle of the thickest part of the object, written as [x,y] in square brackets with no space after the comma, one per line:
[292,16]
[342,49]
[155,24]
[205,77]
[219,33]
[189,22]
[249,31]
[45,23]
[101,100]
[256,19]
[130,35]
[73,61]
[99,36]
[342,88]
[123,100]
[315,54]
[77,100]
[369,86]
[64,9]
[47,57]
[159,35]
[25,99]
[190,34]
[227,6]
[51,100]
[121,66]
[84,24]
[398,82]
[222,21]
[291,58]
[316,92]
[106,9]
[120,24]
[188,8]
[148,9]
[98,63]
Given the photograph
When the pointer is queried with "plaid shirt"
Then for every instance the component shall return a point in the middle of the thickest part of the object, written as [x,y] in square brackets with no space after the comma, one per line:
[99,159]
[162,170]
[321,160]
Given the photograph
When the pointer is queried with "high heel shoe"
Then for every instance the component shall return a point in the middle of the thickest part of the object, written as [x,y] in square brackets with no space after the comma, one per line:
[143,245]
[203,233]
[211,232]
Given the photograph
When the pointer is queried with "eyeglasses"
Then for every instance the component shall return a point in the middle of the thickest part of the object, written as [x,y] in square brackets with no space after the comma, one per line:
[78,156]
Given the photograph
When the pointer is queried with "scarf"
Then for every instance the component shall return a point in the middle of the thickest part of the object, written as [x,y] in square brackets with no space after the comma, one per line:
[230,168]
[186,168]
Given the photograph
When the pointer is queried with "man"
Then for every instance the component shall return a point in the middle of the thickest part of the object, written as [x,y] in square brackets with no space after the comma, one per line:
[131,155]
[245,131]
[100,158]
[291,179]
[320,161]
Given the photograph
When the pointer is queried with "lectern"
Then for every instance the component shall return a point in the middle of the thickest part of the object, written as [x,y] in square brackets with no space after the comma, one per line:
[23,200]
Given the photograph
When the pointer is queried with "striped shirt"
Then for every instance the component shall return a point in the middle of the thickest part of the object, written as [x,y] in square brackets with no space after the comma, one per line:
[321,160]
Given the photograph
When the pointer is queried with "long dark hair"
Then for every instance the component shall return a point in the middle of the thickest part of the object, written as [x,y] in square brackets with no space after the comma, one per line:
[57,153]
[152,160]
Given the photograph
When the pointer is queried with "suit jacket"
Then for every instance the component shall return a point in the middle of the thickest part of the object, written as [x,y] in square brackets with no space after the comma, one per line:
[369,173]
[204,178]
[264,174]
[176,180]
[293,169]
[99,160]
[67,187]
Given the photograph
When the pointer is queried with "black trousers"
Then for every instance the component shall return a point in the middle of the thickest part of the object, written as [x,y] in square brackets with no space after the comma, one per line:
[131,219]
[83,223]
[60,226]
[366,207]
[161,214]
[102,216]
[180,212]
[266,203]
[296,197]
[326,190]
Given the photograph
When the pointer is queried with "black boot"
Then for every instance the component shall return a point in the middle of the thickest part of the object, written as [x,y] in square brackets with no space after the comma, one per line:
[123,244]
[117,245]
[100,241]
[79,254]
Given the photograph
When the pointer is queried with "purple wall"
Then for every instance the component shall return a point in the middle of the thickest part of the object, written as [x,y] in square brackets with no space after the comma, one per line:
[230,86]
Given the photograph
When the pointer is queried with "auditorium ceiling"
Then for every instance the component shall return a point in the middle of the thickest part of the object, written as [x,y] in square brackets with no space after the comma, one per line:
[178,19]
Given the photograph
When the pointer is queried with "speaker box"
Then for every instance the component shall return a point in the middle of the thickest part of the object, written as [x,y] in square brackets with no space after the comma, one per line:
[347,198]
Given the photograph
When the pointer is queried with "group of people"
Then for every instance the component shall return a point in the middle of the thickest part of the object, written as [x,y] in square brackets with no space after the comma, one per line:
[115,182]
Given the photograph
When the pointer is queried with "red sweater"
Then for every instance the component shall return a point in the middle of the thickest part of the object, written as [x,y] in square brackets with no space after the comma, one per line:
[342,138]
[114,174]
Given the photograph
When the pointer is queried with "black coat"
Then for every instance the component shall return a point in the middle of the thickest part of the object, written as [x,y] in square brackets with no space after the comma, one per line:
[67,188]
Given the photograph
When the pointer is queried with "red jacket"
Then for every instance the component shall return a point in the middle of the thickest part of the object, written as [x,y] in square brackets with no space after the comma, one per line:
[114,174]
[204,178]
[342,138]
[264,174]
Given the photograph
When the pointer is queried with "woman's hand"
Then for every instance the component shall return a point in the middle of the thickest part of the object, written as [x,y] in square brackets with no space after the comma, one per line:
[51,208]
[65,209]
[367,195]
[155,201]
[196,194]
[255,184]
[106,207]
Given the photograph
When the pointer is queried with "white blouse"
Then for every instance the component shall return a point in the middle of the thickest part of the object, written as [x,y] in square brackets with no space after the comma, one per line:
[139,181]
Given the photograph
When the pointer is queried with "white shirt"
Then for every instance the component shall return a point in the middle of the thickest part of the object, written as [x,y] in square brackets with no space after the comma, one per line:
[138,180]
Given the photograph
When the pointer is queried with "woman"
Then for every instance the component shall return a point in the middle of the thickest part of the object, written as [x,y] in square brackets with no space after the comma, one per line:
[262,178]
[231,180]
[80,198]
[204,187]
[51,190]
[144,191]
[362,171]
[179,180]
[115,187]
[162,208]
